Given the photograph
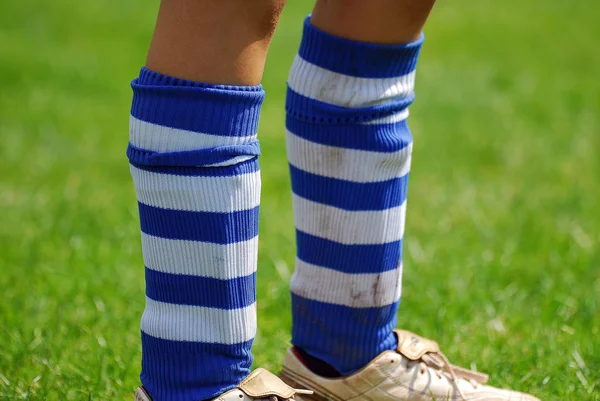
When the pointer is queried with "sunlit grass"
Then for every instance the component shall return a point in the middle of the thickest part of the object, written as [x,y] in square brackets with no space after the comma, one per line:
[502,263]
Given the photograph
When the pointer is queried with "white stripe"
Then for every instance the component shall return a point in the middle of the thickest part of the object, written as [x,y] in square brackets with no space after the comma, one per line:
[231,162]
[195,193]
[199,324]
[158,138]
[200,258]
[394,118]
[347,164]
[353,290]
[331,87]
[349,227]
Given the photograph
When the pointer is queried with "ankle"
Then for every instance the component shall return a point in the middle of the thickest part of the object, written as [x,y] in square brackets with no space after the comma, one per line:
[316,365]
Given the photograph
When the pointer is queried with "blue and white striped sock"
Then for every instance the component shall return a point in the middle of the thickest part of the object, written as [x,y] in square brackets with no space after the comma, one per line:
[349,149]
[193,152]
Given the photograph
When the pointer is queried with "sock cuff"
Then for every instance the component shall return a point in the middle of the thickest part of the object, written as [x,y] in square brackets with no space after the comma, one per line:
[222,110]
[177,122]
[357,59]
[152,78]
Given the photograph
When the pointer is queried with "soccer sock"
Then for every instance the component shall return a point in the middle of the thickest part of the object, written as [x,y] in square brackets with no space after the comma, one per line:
[193,152]
[349,150]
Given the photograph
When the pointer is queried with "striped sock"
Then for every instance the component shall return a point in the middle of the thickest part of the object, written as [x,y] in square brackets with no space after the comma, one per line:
[193,153]
[349,150]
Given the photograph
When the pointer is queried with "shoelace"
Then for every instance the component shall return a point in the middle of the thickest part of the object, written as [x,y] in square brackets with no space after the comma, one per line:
[440,362]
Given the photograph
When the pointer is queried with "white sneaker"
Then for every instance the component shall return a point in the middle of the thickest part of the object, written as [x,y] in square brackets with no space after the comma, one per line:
[415,371]
[259,385]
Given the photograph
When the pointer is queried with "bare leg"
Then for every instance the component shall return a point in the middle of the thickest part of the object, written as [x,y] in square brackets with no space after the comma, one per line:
[350,87]
[377,21]
[220,42]
[193,153]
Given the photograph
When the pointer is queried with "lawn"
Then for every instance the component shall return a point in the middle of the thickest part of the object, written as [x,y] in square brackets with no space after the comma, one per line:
[502,261]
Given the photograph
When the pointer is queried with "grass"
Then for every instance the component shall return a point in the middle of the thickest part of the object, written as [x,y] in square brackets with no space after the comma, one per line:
[502,260]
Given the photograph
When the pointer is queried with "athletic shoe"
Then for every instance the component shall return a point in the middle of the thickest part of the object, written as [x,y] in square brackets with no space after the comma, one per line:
[259,385]
[415,371]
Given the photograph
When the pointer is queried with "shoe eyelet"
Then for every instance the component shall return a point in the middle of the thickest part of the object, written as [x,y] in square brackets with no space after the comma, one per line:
[241,396]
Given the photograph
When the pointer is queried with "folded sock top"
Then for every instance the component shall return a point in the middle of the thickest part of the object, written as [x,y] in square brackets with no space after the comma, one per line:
[357,59]
[177,122]
[152,78]
[224,110]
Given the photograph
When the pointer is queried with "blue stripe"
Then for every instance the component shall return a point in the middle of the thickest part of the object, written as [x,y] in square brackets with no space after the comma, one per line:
[351,259]
[192,158]
[181,370]
[349,195]
[385,138]
[358,59]
[346,338]
[218,228]
[318,112]
[247,167]
[216,111]
[209,292]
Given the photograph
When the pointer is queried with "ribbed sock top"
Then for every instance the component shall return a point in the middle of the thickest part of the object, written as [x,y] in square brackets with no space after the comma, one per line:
[358,59]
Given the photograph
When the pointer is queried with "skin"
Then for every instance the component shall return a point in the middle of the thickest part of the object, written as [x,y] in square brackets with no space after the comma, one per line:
[373,21]
[219,42]
[226,42]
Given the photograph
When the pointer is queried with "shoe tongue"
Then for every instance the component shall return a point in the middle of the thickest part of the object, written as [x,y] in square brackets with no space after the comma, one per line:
[264,384]
[413,346]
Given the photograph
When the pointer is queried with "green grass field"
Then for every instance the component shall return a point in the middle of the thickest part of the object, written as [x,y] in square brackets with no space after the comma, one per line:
[502,260]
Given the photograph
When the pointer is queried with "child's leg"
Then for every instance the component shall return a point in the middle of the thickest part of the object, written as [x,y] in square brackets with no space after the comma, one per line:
[381,21]
[349,150]
[193,152]
[217,42]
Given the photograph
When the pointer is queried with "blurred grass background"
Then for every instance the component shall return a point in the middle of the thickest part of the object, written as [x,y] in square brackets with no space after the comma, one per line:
[502,262]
